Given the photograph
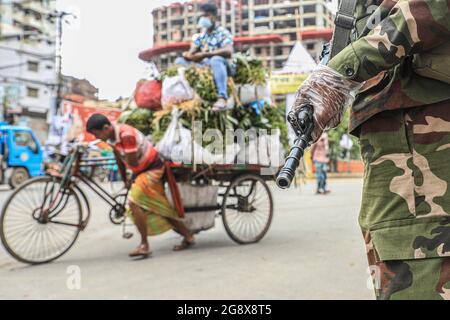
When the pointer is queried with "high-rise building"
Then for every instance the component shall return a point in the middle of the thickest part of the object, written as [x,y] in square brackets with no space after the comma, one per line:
[28,74]
[307,20]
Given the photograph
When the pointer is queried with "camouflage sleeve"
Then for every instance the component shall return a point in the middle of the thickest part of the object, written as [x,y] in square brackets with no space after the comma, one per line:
[412,26]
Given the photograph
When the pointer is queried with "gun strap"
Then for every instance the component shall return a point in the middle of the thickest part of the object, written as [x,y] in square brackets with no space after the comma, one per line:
[344,24]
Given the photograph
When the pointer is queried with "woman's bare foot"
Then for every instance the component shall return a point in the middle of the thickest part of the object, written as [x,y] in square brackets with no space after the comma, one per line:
[185,244]
[142,251]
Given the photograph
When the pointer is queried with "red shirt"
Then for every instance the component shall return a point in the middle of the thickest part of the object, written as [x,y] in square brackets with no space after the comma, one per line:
[130,140]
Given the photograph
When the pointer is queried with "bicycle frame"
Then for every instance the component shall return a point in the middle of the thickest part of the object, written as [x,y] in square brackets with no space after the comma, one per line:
[71,170]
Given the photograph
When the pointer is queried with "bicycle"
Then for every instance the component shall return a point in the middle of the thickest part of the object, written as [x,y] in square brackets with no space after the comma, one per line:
[42,219]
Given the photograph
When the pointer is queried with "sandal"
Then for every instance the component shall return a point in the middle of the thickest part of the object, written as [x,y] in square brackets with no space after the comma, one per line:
[140,252]
[185,244]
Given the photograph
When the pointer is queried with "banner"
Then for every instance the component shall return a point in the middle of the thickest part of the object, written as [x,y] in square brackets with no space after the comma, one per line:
[286,83]
[11,99]
[80,114]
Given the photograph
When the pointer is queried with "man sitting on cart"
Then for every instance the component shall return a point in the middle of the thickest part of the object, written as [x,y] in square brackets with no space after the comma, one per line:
[213,47]
[151,210]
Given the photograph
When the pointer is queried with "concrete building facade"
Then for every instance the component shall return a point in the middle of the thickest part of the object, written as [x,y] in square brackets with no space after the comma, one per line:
[307,20]
[28,71]
[78,87]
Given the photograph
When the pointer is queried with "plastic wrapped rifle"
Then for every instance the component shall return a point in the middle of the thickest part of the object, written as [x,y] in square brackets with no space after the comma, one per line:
[305,121]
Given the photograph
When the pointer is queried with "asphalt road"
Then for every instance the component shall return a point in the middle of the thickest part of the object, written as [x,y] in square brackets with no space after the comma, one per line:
[314,250]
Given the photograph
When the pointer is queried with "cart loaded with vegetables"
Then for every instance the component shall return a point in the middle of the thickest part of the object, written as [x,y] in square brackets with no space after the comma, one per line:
[222,161]
[219,164]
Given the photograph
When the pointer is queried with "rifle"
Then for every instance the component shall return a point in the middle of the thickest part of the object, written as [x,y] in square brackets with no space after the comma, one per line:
[305,128]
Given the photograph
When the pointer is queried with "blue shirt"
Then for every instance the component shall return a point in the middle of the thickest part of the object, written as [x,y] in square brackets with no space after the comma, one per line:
[207,42]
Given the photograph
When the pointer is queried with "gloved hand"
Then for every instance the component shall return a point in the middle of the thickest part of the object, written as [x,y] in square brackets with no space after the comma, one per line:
[329,93]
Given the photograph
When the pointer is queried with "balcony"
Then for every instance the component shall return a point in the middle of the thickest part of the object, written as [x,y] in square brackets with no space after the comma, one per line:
[38,7]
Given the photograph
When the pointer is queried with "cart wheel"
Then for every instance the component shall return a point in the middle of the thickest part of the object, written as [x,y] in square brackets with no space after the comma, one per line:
[19,176]
[247,209]
[40,222]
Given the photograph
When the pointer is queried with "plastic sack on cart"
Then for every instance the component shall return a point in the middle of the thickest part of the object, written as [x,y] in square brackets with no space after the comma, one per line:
[169,140]
[264,150]
[177,145]
[249,93]
[176,90]
[194,197]
[190,152]
[275,149]
[249,153]
[148,94]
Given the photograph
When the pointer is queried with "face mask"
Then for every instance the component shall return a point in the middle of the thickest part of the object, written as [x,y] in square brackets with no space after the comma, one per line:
[205,23]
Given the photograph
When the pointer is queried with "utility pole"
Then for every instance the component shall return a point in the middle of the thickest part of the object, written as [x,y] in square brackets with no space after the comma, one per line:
[60,15]
[2,90]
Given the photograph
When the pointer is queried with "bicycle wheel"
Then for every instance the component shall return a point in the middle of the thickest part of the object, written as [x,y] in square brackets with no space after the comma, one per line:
[247,209]
[40,222]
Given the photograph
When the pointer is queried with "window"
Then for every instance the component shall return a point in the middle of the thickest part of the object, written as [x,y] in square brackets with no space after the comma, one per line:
[32,92]
[261,14]
[309,22]
[309,8]
[25,139]
[33,66]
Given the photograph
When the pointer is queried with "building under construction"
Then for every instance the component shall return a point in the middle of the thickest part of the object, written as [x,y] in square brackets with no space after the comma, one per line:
[267,29]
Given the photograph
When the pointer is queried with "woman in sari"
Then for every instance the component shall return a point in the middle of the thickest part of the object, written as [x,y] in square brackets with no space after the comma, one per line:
[151,210]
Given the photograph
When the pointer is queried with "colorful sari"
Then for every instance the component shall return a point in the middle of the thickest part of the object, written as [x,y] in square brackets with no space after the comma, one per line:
[148,193]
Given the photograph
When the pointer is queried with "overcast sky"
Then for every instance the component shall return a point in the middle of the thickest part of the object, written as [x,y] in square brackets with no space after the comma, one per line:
[103,44]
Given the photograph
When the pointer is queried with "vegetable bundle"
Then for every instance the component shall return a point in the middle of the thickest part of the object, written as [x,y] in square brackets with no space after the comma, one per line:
[201,79]
[140,119]
[249,70]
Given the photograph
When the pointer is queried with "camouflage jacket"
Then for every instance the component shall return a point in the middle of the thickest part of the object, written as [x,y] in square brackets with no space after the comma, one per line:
[381,52]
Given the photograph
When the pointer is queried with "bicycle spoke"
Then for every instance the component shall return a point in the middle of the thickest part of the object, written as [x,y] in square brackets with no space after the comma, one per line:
[28,235]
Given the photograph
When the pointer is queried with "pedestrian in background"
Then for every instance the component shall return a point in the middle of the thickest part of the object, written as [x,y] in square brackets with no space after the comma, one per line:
[319,156]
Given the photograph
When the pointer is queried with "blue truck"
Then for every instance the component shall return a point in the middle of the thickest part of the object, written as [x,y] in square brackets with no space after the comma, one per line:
[21,155]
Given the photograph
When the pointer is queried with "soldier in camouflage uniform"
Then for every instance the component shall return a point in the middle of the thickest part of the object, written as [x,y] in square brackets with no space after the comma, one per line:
[402,117]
